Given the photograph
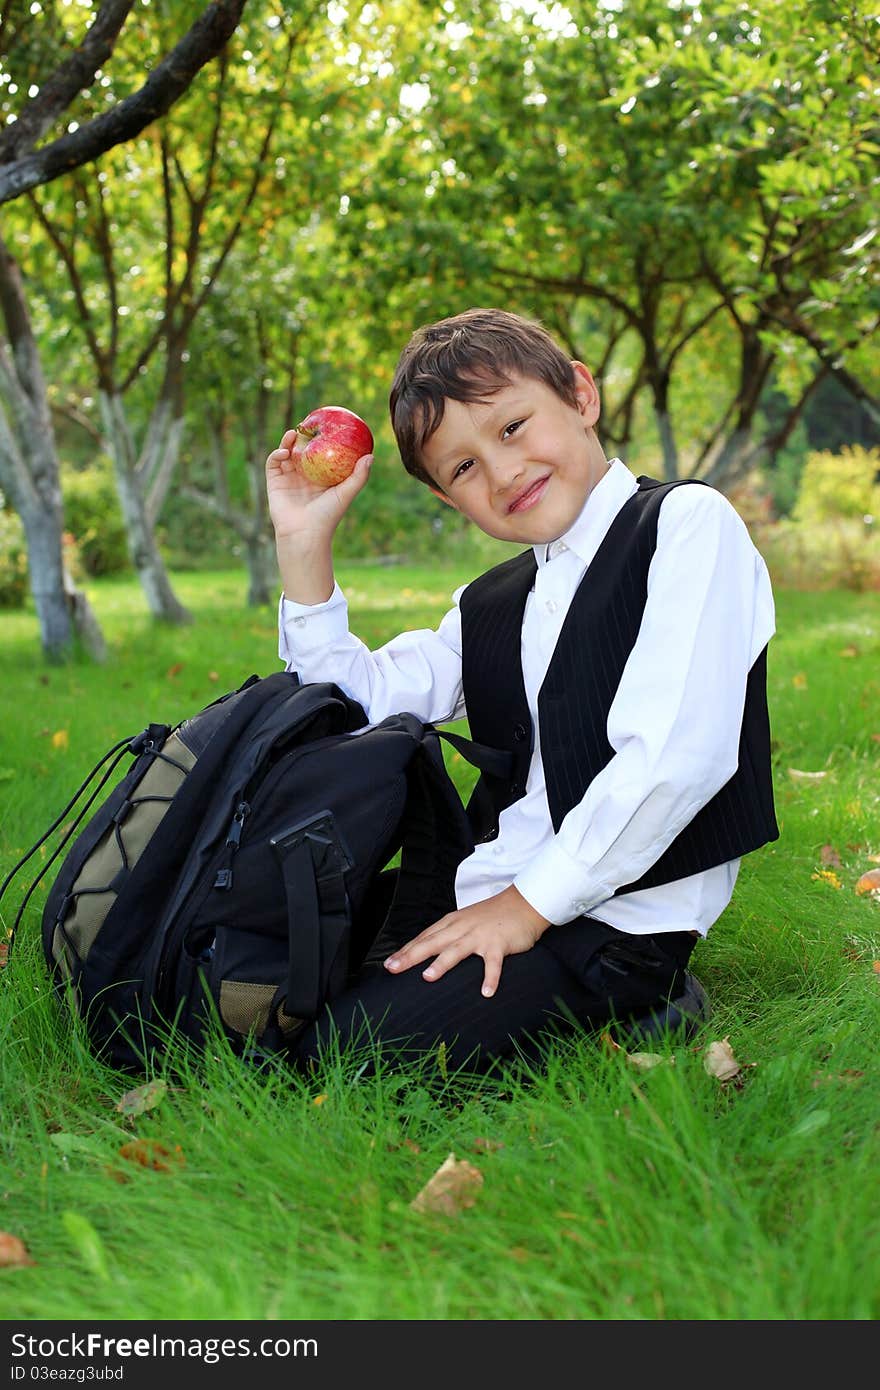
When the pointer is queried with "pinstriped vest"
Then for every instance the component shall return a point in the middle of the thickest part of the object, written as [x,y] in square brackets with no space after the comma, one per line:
[597,637]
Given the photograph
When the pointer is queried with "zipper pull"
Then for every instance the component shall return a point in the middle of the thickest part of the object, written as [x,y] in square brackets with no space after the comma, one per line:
[233,839]
[233,836]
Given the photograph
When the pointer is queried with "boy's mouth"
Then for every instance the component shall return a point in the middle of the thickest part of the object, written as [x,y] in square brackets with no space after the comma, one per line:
[529,495]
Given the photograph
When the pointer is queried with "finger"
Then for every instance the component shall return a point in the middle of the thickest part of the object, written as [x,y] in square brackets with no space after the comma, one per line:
[349,488]
[288,439]
[278,460]
[410,956]
[491,975]
[446,960]
[422,947]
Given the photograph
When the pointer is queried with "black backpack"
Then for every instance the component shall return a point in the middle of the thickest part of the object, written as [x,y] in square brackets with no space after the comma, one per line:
[240,868]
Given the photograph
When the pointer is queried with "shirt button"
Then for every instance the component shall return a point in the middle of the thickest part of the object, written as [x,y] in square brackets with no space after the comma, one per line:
[299,622]
[551,605]
[580,908]
[519,733]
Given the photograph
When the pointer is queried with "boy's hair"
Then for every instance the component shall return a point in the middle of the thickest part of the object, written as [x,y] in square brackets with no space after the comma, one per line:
[467,358]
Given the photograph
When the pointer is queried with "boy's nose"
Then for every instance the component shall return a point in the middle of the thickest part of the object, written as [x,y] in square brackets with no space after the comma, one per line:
[504,472]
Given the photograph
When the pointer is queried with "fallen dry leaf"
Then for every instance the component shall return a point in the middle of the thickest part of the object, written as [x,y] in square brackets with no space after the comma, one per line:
[115,1174]
[828,876]
[149,1153]
[486,1146]
[873,858]
[848,1076]
[829,856]
[68,1144]
[142,1098]
[319,1100]
[849,651]
[719,1061]
[453,1187]
[875,966]
[869,882]
[174,670]
[609,1044]
[646,1061]
[799,681]
[213,675]
[60,738]
[13,1252]
[800,776]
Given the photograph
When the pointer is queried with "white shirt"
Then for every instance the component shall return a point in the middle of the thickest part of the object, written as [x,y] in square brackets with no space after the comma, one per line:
[674,723]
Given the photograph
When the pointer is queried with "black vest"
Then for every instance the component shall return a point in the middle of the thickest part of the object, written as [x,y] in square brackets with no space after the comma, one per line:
[597,637]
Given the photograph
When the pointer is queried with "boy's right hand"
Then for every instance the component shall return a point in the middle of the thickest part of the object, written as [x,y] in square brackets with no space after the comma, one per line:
[300,510]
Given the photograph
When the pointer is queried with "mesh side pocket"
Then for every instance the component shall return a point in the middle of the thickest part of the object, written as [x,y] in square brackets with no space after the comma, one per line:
[245,1007]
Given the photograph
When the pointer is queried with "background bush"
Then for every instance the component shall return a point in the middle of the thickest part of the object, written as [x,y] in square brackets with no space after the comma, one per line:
[832,537]
[843,486]
[13,561]
[93,517]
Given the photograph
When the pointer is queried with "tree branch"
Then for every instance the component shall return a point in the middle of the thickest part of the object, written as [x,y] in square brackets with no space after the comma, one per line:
[168,81]
[67,255]
[65,83]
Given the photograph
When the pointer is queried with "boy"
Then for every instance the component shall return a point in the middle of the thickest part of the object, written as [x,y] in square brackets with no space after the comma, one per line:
[621,659]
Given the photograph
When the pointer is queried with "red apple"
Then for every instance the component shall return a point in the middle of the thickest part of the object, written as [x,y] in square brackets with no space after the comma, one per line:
[329,443]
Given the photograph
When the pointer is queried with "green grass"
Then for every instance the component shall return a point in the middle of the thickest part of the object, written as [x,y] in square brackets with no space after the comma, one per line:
[608,1193]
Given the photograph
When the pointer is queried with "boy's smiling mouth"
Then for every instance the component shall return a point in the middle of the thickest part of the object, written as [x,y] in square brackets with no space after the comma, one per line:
[529,495]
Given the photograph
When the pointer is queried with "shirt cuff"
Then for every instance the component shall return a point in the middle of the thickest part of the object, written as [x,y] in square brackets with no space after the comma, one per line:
[557,886]
[303,628]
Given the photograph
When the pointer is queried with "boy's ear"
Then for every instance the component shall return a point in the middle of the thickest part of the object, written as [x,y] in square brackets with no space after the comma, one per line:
[443,498]
[587,393]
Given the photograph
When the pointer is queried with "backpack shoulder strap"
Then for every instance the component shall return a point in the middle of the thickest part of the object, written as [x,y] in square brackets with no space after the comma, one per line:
[437,833]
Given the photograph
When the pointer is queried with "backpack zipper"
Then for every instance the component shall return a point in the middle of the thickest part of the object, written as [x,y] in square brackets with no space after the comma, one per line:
[222,880]
[223,877]
[262,781]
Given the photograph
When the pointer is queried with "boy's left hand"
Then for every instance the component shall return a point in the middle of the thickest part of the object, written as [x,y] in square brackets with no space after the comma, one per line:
[504,925]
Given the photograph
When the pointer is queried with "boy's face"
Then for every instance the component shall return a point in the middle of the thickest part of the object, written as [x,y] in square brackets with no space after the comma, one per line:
[522,463]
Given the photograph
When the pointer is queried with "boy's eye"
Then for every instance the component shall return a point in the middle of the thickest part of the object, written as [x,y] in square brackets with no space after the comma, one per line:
[462,468]
[512,428]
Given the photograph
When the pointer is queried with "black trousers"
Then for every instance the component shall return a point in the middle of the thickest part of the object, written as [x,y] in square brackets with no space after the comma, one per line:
[578,975]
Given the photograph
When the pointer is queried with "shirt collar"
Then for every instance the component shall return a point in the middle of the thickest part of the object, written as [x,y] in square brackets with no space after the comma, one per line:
[587,532]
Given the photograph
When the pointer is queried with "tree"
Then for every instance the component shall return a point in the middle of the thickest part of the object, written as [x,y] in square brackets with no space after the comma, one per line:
[675,191]
[144,237]
[29,470]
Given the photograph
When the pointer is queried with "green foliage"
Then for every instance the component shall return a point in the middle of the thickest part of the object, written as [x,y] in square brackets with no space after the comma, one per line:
[192,538]
[93,517]
[684,196]
[834,554]
[829,540]
[13,561]
[844,486]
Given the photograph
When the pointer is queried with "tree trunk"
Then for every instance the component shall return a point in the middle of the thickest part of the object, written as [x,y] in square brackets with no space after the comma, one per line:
[731,462]
[737,453]
[161,599]
[42,529]
[261,567]
[667,443]
[658,379]
[148,563]
[31,477]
